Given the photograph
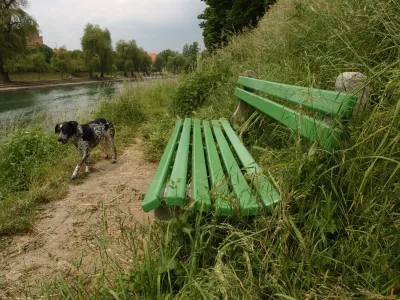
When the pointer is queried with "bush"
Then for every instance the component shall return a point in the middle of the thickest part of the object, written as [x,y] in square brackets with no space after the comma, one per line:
[24,158]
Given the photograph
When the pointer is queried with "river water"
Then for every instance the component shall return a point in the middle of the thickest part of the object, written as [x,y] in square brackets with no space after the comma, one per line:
[65,103]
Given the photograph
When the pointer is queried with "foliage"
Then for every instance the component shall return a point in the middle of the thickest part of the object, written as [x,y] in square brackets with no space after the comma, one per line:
[22,160]
[39,63]
[177,64]
[61,61]
[97,48]
[15,26]
[44,49]
[226,17]
[162,59]
[124,110]
[190,52]
[19,63]
[131,58]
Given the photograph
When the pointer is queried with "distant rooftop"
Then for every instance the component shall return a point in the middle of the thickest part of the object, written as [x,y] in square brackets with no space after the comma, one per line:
[152,56]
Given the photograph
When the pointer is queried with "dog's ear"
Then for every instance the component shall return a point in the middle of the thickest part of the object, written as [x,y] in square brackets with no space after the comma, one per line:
[57,129]
[74,125]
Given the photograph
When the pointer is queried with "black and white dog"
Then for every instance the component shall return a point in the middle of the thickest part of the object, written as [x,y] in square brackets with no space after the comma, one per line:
[85,137]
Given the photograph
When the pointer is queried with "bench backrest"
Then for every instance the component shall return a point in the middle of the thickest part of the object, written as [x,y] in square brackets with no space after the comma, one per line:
[335,104]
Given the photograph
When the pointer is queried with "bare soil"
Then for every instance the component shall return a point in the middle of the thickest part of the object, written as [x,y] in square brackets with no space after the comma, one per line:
[67,231]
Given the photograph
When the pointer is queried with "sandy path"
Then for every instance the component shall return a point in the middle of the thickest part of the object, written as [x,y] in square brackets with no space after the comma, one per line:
[67,229]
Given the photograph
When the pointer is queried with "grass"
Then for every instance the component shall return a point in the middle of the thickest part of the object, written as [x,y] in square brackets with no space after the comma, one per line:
[336,232]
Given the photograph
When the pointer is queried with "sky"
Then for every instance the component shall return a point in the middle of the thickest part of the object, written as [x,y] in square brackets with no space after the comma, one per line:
[156,25]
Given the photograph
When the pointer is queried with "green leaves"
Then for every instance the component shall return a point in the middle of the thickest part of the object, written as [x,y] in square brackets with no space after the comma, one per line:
[226,17]
[97,42]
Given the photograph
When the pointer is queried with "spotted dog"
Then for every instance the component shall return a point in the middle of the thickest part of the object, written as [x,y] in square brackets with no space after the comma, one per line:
[85,137]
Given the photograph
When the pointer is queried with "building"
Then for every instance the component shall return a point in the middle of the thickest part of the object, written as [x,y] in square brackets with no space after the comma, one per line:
[34,40]
[152,56]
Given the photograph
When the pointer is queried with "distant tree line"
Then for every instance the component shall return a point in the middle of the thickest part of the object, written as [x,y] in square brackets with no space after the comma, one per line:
[97,54]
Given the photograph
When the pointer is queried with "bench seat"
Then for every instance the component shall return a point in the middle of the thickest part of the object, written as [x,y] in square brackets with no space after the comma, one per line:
[223,174]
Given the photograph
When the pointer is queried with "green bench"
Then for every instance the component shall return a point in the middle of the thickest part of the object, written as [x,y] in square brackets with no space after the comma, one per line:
[206,162]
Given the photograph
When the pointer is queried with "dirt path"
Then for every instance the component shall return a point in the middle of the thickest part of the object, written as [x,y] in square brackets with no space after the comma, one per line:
[67,229]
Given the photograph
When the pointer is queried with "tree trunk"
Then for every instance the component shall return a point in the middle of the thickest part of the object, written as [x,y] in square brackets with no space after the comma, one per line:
[132,73]
[4,74]
[38,75]
[126,75]
[90,75]
[102,74]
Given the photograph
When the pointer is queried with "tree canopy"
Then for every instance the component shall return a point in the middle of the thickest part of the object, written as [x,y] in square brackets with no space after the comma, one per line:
[222,18]
[15,26]
[97,49]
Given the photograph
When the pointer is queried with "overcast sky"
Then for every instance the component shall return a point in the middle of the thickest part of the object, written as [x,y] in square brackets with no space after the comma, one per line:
[154,24]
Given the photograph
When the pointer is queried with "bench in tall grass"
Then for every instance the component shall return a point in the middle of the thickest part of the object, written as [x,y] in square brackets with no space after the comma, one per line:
[206,162]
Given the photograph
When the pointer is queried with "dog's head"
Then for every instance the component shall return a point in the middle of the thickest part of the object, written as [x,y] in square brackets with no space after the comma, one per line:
[66,130]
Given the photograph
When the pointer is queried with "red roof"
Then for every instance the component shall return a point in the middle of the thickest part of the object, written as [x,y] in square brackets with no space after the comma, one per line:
[152,56]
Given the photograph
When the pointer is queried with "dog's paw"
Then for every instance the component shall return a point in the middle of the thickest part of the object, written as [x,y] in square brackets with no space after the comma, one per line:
[114,161]
[87,170]
[74,177]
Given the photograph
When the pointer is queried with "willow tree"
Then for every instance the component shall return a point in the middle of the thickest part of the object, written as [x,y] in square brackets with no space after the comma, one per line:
[15,26]
[97,49]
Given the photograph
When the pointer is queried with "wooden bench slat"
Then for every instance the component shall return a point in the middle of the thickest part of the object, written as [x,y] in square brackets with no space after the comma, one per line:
[152,197]
[268,194]
[176,192]
[334,103]
[313,129]
[200,187]
[248,205]
[217,177]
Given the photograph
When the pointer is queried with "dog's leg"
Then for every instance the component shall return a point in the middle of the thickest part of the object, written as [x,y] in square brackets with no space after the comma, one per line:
[104,143]
[79,165]
[87,169]
[110,138]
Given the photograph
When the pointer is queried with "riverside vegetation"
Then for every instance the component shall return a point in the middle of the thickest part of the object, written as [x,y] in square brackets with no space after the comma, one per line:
[336,232]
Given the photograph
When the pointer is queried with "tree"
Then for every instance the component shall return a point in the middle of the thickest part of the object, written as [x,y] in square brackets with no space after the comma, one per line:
[222,18]
[15,26]
[44,49]
[76,61]
[61,61]
[97,49]
[162,59]
[190,52]
[144,61]
[39,63]
[177,64]
[19,63]
[128,56]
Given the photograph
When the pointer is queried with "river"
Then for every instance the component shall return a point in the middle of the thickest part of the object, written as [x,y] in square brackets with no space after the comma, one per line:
[67,103]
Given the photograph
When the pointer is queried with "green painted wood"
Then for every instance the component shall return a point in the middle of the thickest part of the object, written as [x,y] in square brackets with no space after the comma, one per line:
[313,129]
[247,203]
[176,189]
[217,177]
[152,198]
[200,187]
[268,194]
[334,103]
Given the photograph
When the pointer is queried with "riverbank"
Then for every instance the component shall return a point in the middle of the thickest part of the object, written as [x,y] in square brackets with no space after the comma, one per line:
[20,86]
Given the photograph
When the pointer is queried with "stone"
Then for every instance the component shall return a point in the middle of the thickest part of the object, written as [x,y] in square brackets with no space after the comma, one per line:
[354,83]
